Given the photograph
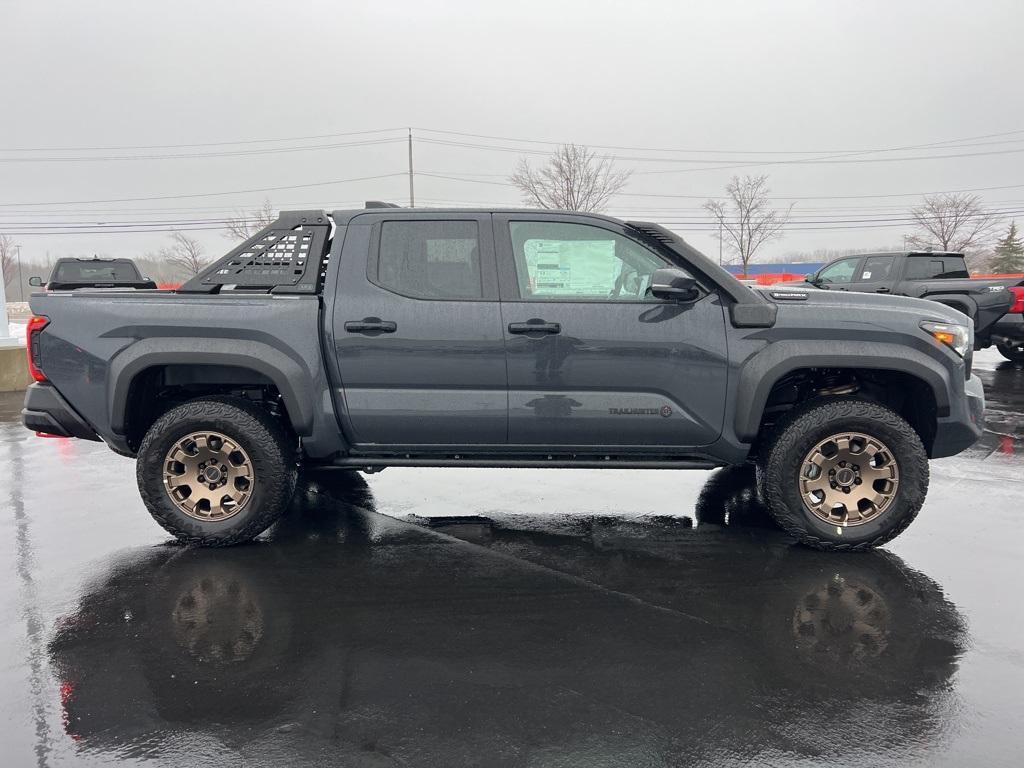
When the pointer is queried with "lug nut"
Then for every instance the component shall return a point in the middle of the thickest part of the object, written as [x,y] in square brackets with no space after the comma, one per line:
[857,481]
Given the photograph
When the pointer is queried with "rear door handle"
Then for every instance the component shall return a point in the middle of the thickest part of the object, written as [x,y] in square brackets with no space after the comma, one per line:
[371,325]
[534,326]
[883,289]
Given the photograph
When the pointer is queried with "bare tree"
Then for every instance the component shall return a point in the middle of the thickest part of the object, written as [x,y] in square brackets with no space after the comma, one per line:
[573,179]
[953,222]
[245,224]
[185,253]
[745,220]
[7,264]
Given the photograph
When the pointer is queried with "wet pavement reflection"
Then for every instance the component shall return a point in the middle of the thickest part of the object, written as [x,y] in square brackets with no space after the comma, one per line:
[518,618]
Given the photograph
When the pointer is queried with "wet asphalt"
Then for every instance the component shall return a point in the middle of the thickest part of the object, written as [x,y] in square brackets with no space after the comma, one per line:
[509,618]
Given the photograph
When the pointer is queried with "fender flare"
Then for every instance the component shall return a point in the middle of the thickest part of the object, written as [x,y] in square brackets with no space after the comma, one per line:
[961,299]
[761,371]
[288,375]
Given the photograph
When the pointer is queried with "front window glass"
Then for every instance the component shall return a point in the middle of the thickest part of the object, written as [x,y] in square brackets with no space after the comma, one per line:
[578,261]
[840,272]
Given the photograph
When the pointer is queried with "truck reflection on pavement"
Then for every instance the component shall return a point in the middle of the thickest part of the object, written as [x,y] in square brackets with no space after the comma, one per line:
[355,636]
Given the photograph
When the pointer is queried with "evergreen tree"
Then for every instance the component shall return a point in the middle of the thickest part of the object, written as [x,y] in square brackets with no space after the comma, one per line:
[1009,253]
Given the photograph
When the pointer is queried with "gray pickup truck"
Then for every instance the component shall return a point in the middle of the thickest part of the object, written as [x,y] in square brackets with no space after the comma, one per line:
[382,337]
[995,304]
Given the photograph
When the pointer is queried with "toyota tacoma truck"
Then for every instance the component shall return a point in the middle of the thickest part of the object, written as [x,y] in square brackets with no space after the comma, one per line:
[995,305]
[385,337]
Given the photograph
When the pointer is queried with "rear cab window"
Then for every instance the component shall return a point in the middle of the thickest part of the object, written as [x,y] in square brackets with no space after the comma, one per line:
[938,267]
[96,272]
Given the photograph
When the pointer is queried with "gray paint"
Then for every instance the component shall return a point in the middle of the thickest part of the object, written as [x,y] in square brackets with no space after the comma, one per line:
[451,380]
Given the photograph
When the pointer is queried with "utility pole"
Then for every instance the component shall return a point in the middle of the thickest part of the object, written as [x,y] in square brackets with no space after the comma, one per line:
[412,195]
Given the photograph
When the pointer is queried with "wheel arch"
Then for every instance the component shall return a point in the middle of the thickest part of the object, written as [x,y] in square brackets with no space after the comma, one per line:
[961,302]
[265,363]
[761,373]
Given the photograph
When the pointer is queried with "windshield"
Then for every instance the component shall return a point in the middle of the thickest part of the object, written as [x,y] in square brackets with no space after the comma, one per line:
[95,272]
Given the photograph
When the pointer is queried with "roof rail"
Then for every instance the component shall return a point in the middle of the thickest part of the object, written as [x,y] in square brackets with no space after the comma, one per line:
[380,204]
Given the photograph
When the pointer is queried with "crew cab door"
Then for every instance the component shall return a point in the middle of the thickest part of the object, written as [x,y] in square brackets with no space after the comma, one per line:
[417,332]
[593,361]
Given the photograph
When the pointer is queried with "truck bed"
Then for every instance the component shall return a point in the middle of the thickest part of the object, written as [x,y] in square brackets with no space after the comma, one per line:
[117,328]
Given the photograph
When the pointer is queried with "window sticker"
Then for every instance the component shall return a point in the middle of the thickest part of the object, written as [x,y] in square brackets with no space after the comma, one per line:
[572,267]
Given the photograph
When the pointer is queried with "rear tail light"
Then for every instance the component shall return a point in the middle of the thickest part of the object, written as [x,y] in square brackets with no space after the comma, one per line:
[1018,304]
[35,325]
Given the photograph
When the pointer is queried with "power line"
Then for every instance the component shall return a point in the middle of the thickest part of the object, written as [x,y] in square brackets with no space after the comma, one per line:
[209,194]
[193,155]
[841,159]
[774,197]
[202,144]
[724,151]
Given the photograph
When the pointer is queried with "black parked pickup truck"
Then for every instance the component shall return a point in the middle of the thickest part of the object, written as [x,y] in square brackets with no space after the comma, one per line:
[71,274]
[477,338]
[994,305]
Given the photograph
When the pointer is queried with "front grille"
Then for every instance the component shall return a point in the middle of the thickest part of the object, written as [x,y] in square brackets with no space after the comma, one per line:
[968,362]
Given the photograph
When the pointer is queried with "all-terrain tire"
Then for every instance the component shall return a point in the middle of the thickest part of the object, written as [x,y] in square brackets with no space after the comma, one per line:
[264,439]
[1014,354]
[781,462]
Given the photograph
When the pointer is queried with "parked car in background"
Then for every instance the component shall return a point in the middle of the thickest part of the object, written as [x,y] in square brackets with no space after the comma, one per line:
[73,274]
[994,304]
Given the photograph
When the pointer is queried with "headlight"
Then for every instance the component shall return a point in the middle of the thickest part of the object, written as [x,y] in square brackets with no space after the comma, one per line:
[956,337]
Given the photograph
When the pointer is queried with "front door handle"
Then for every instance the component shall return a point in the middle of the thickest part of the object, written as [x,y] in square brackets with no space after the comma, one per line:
[883,289]
[534,326]
[371,325]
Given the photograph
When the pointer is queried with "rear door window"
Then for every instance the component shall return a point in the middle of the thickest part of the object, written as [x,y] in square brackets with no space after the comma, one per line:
[876,269]
[430,259]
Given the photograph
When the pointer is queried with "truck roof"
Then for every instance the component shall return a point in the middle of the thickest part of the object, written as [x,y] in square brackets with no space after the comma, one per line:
[903,253]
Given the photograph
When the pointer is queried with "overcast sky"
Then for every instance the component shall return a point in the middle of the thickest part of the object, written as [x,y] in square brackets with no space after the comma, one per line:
[733,83]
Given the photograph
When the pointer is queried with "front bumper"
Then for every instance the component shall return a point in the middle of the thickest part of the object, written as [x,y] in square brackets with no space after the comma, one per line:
[47,412]
[965,423]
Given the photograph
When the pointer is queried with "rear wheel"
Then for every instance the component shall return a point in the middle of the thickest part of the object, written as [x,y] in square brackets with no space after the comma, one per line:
[844,475]
[1014,352]
[216,471]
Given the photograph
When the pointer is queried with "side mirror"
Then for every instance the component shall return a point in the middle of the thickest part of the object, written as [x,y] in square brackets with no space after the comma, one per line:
[35,282]
[674,284]
[811,278]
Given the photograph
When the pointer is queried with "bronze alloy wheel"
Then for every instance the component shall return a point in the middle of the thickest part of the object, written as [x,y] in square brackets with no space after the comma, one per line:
[208,476]
[849,478]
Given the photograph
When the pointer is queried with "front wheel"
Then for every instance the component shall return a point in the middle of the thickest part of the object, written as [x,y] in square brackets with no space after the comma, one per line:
[1014,352]
[216,471]
[844,475]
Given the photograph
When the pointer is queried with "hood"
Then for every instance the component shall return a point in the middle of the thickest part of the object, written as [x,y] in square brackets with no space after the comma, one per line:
[870,308]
